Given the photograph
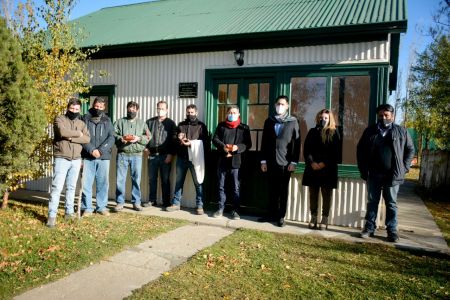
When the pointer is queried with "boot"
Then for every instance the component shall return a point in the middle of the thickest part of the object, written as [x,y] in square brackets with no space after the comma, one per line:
[51,222]
[323,223]
[313,222]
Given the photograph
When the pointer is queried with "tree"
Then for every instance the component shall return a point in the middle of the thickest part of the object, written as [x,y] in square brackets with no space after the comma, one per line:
[22,117]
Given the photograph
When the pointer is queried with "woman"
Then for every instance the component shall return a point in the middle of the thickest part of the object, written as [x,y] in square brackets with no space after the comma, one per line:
[321,152]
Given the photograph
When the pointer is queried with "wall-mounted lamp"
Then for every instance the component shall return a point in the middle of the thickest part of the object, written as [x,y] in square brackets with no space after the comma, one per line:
[239,57]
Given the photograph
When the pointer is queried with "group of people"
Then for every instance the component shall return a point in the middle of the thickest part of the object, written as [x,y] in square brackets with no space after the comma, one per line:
[384,154]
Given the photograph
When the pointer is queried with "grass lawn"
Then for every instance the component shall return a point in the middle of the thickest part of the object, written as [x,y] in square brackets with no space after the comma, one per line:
[31,254]
[441,214]
[251,264]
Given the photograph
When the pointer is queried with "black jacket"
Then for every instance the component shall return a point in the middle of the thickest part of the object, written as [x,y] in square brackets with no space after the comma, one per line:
[239,136]
[102,137]
[402,150]
[195,130]
[283,149]
[317,151]
[165,143]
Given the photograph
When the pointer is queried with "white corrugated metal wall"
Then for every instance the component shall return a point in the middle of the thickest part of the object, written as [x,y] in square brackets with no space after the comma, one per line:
[149,79]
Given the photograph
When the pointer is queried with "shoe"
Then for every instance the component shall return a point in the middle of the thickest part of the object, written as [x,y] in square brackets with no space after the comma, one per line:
[200,211]
[86,214]
[119,207]
[366,234]
[393,237]
[51,222]
[324,223]
[137,207]
[265,219]
[313,222]
[104,212]
[146,204]
[281,223]
[155,204]
[235,215]
[218,214]
[172,208]
[70,217]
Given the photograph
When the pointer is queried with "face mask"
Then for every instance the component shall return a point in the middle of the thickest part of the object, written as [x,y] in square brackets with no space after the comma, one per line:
[72,115]
[323,123]
[385,122]
[162,113]
[191,118]
[96,112]
[281,110]
[131,114]
[232,117]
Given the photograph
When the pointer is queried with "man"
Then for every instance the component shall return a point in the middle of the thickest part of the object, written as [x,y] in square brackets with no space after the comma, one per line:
[232,139]
[191,149]
[160,151]
[96,157]
[131,138]
[384,155]
[69,135]
[280,150]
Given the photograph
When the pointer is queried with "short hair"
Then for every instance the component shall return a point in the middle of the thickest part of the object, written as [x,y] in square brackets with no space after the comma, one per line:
[98,100]
[162,102]
[231,107]
[73,101]
[282,97]
[133,104]
[385,107]
[193,106]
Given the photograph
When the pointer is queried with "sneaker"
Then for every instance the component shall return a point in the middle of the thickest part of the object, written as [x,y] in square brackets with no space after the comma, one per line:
[235,215]
[119,207]
[70,217]
[104,212]
[86,214]
[200,211]
[137,207]
[172,208]
[218,214]
[392,237]
[281,223]
[366,234]
[51,222]
[146,204]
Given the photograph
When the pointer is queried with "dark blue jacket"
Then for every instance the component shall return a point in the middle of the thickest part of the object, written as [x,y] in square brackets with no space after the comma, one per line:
[102,137]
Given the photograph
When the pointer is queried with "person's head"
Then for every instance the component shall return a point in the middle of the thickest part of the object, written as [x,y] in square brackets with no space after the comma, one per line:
[98,107]
[132,109]
[325,119]
[191,112]
[282,105]
[385,114]
[233,113]
[162,109]
[73,108]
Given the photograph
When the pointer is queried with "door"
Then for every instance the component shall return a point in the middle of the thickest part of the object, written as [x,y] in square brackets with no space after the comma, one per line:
[254,97]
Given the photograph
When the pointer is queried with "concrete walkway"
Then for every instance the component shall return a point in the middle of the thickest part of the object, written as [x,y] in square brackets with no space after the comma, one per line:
[116,277]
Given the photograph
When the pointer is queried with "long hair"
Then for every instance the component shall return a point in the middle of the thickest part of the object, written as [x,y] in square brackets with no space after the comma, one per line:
[330,128]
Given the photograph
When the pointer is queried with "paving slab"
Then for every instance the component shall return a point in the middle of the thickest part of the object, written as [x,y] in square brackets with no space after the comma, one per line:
[119,275]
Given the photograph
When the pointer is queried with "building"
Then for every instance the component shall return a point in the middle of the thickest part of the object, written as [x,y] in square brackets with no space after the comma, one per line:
[338,54]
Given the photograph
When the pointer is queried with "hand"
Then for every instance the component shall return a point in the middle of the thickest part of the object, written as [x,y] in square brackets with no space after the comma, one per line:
[235,148]
[186,142]
[96,153]
[146,152]
[291,168]
[135,139]
[264,168]
[168,159]
[321,165]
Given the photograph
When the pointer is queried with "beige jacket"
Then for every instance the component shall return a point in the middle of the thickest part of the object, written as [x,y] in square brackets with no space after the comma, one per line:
[69,135]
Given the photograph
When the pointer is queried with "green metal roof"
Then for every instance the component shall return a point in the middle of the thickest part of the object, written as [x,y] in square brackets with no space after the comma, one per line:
[172,21]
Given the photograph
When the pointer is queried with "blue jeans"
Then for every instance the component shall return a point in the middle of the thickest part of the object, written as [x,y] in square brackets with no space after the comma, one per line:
[222,173]
[156,164]
[64,170]
[95,170]
[376,187]
[183,165]
[135,164]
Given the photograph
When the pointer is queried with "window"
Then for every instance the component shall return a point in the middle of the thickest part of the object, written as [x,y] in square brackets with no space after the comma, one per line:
[227,95]
[258,111]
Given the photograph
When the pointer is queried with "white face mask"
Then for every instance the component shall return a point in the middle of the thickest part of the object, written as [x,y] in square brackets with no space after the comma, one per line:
[280,109]
[162,113]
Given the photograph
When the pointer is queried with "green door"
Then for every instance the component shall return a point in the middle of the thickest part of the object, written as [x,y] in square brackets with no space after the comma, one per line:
[254,96]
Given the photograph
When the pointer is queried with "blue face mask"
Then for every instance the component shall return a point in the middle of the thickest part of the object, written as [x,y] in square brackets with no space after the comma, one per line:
[232,117]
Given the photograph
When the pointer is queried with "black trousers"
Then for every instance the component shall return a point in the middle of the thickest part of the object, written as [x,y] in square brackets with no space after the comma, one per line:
[279,178]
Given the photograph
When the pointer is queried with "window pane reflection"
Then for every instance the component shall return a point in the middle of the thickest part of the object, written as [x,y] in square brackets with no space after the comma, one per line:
[308,95]
[264,93]
[257,114]
[253,93]
[232,93]
[223,93]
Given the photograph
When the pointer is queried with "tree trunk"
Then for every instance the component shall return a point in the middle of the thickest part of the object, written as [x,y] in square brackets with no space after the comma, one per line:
[5,200]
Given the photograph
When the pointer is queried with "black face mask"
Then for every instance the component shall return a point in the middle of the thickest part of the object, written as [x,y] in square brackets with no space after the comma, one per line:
[191,118]
[322,123]
[72,115]
[131,114]
[96,112]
